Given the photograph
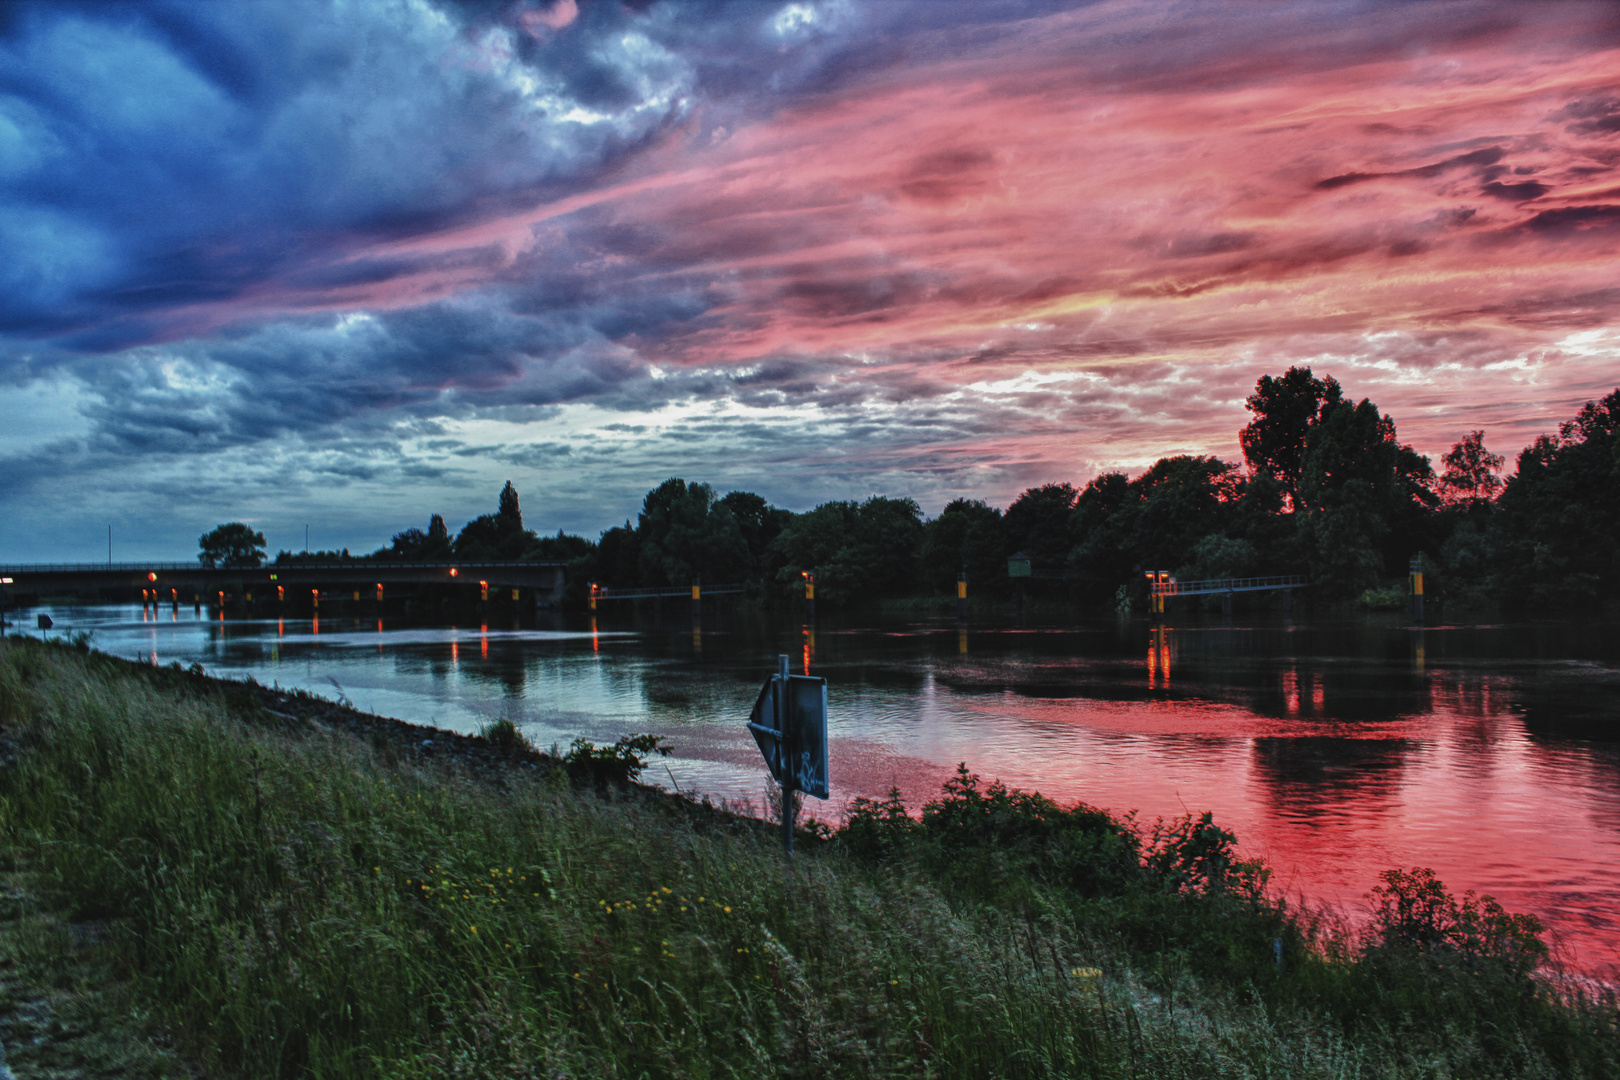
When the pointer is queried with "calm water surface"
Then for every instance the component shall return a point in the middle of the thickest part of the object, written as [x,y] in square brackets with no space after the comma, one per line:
[1490,753]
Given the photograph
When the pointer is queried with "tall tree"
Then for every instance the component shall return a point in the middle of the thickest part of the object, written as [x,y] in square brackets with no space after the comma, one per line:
[413,545]
[1365,497]
[1040,523]
[1471,472]
[760,523]
[233,546]
[1175,504]
[496,536]
[684,532]
[967,534]
[1285,410]
[1558,515]
[509,517]
[856,550]
[438,539]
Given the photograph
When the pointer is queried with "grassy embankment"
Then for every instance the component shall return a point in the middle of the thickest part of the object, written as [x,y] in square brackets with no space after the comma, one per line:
[286,900]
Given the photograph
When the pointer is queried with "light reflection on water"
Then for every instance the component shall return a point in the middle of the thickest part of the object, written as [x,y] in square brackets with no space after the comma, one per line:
[1490,753]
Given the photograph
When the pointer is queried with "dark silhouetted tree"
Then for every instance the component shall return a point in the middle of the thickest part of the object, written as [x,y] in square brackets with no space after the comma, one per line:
[1471,472]
[414,545]
[1558,515]
[618,558]
[509,516]
[232,546]
[1101,558]
[1364,495]
[1285,410]
[760,523]
[968,534]
[1040,523]
[1153,522]
[684,532]
[1178,502]
[857,551]
[496,536]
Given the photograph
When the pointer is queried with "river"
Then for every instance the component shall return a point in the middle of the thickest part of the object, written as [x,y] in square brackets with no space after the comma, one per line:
[1490,753]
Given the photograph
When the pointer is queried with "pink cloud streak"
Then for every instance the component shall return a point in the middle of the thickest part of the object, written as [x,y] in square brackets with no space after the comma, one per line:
[1437,227]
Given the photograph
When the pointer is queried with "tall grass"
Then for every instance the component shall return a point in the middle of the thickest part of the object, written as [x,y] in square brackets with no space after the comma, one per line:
[301,903]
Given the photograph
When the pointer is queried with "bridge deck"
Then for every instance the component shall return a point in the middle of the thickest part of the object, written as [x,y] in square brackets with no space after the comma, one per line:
[543,577]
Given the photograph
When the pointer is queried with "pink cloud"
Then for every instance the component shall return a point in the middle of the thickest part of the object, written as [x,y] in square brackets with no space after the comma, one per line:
[1435,226]
[552,17]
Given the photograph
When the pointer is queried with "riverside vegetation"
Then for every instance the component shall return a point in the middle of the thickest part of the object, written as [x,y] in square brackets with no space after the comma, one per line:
[278,897]
[1326,490]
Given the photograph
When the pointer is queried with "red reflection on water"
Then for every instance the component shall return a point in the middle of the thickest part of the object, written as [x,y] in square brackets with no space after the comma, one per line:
[596,642]
[809,647]
[1331,769]
[1158,660]
[455,651]
[483,644]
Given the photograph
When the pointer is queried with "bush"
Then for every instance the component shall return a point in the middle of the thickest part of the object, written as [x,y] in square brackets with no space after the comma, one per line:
[617,764]
[1415,914]
[992,839]
[505,734]
[1200,857]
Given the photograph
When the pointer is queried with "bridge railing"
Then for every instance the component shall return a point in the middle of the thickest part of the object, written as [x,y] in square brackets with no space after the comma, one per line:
[102,567]
[1225,585]
[671,593]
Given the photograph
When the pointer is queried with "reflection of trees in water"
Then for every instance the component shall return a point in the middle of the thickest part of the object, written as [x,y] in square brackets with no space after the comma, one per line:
[1483,706]
[504,663]
[1322,776]
[1557,714]
[1241,666]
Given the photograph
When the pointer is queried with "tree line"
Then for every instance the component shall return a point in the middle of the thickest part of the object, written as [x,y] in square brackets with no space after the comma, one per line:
[1326,490]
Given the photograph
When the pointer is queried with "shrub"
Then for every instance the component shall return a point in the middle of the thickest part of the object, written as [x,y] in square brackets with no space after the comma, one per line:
[878,828]
[504,734]
[619,763]
[1201,857]
[1415,914]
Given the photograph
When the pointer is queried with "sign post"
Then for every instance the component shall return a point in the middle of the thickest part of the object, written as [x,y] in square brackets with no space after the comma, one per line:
[1415,571]
[789,722]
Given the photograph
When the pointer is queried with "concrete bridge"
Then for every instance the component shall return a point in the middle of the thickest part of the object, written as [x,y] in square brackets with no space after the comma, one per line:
[192,583]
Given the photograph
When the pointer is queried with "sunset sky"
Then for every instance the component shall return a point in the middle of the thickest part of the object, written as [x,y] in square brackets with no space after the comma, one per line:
[352,263]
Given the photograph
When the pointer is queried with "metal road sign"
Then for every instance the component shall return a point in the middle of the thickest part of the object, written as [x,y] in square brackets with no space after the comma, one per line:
[789,723]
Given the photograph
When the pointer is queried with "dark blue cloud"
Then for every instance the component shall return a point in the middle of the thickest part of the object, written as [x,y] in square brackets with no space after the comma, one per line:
[166,153]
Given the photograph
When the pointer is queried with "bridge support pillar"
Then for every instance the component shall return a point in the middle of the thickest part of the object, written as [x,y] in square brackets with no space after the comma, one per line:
[1226,605]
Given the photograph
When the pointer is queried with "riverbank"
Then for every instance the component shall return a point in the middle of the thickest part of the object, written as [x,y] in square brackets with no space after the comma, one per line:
[277,885]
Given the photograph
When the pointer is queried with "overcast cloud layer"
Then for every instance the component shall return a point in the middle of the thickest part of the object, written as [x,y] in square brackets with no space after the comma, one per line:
[351,264]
